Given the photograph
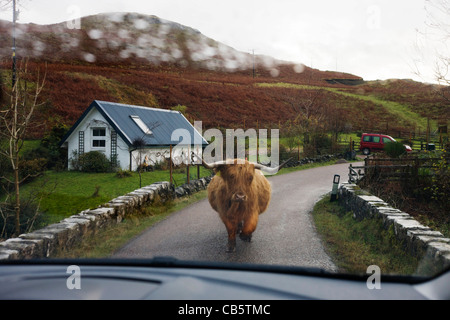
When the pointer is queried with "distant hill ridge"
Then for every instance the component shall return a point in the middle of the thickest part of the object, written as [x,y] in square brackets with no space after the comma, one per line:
[144,60]
[133,38]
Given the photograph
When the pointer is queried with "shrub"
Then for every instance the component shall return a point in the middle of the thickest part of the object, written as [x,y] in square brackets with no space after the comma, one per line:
[318,144]
[439,187]
[32,168]
[323,141]
[180,108]
[394,149]
[49,149]
[123,173]
[94,161]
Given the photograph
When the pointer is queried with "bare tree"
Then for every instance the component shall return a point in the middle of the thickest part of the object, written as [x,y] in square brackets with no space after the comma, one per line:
[15,118]
[308,110]
[436,36]
[438,17]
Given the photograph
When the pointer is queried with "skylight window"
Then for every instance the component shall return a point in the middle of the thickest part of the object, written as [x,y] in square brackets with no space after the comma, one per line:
[141,124]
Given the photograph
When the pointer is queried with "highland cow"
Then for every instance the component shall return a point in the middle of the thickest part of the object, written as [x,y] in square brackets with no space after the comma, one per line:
[239,192]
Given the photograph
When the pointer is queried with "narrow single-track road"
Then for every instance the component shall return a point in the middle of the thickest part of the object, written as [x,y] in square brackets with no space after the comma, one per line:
[285,234]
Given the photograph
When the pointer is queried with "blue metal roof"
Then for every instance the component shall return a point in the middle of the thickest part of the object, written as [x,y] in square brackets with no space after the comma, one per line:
[161,122]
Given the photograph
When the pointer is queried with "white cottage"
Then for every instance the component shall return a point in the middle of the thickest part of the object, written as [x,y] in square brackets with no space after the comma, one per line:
[131,135]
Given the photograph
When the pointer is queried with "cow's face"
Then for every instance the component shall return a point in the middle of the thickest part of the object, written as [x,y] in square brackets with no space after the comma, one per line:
[238,179]
[239,176]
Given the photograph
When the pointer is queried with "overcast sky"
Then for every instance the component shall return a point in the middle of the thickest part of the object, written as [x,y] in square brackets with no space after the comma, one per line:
[375,39]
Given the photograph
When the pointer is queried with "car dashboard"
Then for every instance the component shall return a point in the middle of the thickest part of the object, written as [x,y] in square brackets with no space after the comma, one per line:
[171,279]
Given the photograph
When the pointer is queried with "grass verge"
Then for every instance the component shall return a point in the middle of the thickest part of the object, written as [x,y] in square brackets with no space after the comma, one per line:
[355,245]
[108,240]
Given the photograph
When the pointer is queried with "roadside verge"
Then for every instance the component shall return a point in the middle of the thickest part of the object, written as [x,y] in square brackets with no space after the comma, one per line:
[428,245]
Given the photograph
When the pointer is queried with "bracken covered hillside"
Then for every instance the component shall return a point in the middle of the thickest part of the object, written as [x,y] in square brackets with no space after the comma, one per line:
[144,60]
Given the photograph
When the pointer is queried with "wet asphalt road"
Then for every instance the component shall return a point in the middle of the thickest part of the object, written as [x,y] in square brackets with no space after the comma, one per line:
[285,234]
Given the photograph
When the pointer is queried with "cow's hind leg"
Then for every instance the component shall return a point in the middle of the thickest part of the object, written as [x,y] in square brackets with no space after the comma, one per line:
[249,227]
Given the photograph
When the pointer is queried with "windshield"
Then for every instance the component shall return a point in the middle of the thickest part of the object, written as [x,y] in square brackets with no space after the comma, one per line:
[226,131]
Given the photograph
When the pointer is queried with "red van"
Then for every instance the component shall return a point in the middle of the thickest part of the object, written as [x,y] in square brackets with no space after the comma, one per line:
[371,142]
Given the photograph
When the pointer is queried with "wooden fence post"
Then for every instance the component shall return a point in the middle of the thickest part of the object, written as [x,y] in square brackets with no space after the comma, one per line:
[198,166]
[188,178]
[170,164]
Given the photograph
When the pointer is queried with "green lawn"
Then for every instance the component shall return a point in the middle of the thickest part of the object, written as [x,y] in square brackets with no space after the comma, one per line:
[67,193]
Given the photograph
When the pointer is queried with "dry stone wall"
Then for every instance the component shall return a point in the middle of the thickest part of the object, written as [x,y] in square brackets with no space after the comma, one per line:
[421,241]
[65,234]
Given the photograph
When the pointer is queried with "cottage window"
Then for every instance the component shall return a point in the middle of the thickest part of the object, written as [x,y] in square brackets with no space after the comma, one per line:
[98,137]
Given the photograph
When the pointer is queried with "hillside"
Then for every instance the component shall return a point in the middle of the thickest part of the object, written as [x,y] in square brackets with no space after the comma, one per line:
[144,60]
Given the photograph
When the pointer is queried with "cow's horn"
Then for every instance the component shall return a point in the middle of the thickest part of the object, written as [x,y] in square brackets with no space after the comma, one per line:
[216,164]
[211,165]
[269,169]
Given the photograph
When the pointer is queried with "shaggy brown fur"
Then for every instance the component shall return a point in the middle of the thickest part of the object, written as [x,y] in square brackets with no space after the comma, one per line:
[239,193]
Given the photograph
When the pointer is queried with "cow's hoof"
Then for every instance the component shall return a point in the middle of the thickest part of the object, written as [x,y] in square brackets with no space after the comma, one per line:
[245,237]
[231,249]
[231,245]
